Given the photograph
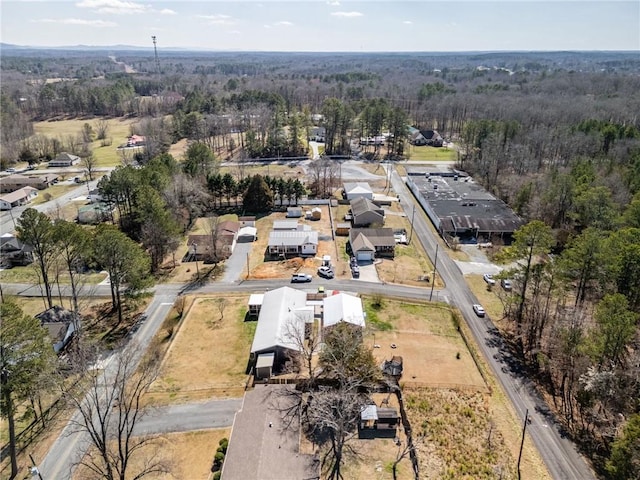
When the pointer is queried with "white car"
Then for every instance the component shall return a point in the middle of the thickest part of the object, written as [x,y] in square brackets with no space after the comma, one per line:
[326,272]
[489,279]
[479,310]
[300,277]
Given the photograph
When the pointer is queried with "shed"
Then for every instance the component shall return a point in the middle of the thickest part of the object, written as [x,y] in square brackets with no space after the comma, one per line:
[294,212]
[264,365]
[343,229]
[255,303]
[247,221]
[316,213]
[247,234]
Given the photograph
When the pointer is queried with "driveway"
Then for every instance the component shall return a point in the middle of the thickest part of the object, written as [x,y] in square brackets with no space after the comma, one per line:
[235,265]
[368,272]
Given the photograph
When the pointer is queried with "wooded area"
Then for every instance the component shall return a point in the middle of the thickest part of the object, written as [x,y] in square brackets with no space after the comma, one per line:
[555,135]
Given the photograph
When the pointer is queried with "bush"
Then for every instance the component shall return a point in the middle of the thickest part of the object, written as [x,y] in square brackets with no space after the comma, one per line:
[217,475]
[219,456]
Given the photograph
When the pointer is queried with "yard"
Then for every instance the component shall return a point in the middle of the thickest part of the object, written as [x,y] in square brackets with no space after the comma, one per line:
[208,351]
[106,156]
[427,154]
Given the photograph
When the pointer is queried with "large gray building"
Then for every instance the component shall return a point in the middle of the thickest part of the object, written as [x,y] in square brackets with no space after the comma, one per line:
[460,207]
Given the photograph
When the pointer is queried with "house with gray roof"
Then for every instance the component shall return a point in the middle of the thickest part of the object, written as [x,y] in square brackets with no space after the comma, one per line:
[357,189]
[365,213]
[64,159]
[369,243]
[292,243]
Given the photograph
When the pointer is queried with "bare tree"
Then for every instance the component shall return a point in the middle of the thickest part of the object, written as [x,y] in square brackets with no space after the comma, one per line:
[307,340]
[109,412]
[89,163]
[102,129]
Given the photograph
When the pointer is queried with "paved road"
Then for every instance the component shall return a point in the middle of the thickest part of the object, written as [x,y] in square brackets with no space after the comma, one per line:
[9,218]
[558,452]
[189,417]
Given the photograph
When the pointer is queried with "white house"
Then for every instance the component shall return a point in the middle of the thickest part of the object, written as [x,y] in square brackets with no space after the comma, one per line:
[19,197]
[64,160]
[293,243]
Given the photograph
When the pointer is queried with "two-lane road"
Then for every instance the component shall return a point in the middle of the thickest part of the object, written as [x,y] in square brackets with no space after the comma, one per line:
[559,454]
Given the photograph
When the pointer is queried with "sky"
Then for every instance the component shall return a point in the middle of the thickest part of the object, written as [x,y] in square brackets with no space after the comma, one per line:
[327,25]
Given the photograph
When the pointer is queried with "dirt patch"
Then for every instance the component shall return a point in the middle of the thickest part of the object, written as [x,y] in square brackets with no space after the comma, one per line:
[208,355]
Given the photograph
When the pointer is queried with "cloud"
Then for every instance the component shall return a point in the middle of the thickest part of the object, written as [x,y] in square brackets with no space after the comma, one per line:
[284,23]
[78,21]
[408,22]
[116,7]
[334,3]
[347,14]
[167,11]
[218,19]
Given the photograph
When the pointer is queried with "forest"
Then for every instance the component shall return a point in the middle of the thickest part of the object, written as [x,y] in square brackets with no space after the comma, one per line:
[556,135]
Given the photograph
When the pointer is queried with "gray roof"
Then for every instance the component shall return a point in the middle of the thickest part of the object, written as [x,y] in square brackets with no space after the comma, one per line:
[362,205]
[463,204]
[283,310]
[357,187]
[297,238]
[377,237]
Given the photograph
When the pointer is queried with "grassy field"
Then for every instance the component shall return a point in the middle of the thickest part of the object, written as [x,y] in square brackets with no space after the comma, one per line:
[106,156]
[29,274]
[428,154]
[208,352]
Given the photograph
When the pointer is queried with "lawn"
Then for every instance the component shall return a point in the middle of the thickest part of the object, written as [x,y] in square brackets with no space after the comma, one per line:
[29,274]
[208,352]
[427,154]
[106,156]
[188,455]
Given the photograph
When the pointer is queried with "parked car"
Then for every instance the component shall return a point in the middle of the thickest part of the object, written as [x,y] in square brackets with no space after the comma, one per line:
[10,170]
[326,272]
[506,284]
[489,279]
[355,271]
[300,277]
[353,262]
[479,310]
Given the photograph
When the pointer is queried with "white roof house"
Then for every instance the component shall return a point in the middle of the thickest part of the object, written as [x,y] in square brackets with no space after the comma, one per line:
[283,242]
[343,308]
[284,312]
[357,189]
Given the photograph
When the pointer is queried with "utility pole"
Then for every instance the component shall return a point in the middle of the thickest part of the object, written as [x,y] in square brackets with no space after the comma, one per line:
[433,280]
[524,430]
[413,214]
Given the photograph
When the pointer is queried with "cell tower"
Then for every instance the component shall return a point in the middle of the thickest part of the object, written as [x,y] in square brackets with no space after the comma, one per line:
[155,50]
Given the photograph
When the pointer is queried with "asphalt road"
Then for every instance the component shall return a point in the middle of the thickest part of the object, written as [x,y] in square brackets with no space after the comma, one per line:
[559,454]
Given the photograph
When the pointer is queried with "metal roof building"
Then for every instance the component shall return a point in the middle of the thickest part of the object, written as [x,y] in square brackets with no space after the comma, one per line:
[342,308]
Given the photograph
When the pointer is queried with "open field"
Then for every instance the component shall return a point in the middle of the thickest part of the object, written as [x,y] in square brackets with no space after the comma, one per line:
[208,352]
[427,154]
[274,169]
[29,274]
[107,156]
[424,335]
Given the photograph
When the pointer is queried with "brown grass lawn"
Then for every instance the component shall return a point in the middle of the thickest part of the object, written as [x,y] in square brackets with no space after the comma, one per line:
[261,268]
[28,274]
[427,340]
[207,357]
[107,156]
[492,300]
[187,455]
[238,170]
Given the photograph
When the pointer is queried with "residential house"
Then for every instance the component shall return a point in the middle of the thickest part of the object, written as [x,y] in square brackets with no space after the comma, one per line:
[64,160]
[280,330]
[136,141]
[212,248]
[16,182]
[356,190]
[289,225]
[61,324]
[292,243]
[317,134]
[17,198]
[365,213]
[369,243]
[13,252]
[432,138]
